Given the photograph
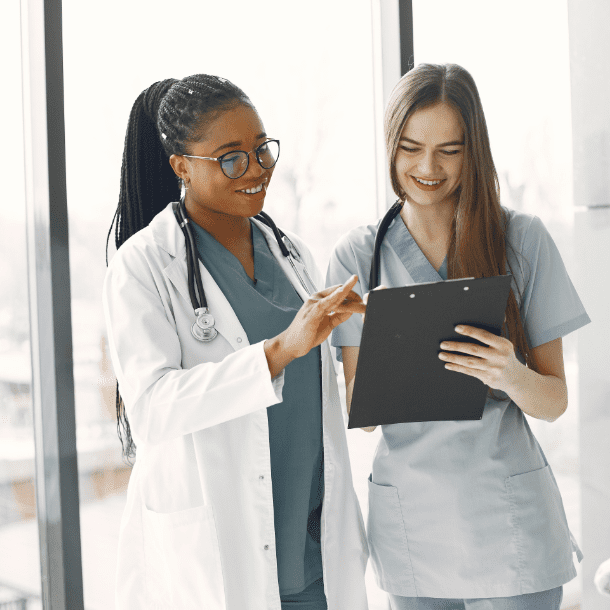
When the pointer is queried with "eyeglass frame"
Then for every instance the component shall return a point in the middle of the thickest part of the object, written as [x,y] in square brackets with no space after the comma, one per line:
[231,152]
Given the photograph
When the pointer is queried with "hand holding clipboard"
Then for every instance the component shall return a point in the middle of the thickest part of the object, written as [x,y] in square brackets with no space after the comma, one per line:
[400,377]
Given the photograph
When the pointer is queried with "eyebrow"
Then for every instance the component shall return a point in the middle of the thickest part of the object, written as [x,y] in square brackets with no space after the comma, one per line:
[238,143]
[453,143]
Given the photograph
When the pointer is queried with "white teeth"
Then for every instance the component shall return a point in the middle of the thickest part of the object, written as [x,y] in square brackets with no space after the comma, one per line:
[429,182]
[258,189]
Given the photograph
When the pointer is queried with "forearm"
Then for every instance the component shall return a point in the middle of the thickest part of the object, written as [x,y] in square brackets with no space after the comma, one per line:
[541,396]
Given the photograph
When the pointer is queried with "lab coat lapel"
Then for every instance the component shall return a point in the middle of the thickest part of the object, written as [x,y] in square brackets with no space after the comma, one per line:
[282,260]
[410,254]
[169,236]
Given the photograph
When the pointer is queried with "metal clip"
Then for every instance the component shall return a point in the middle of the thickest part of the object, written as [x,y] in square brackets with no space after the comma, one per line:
[292,249]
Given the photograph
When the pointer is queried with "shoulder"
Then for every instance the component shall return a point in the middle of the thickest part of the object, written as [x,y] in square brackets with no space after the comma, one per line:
[138,255]
[358,243]
[523,229]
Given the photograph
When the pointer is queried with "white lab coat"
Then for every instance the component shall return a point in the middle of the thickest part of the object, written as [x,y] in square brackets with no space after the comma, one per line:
[198,528]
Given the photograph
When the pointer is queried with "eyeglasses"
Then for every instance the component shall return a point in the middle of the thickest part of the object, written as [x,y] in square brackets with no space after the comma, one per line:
[234,164]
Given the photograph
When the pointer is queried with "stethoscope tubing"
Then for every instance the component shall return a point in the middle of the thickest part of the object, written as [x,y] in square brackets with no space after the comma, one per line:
[384,225]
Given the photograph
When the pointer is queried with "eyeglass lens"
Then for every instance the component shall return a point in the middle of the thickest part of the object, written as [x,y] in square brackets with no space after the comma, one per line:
[235,164]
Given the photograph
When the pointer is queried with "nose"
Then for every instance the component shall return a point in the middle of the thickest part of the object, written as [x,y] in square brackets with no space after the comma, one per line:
[255,169]
[427,163]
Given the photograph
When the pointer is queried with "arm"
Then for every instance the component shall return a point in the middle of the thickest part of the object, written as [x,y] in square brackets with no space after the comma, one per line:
[165,401]
[350,360]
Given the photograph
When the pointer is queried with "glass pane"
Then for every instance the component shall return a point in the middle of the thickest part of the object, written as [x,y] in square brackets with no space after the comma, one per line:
[315,95]
[19,559]
[522,73]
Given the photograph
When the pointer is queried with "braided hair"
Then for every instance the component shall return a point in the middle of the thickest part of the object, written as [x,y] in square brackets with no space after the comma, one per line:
[163,120]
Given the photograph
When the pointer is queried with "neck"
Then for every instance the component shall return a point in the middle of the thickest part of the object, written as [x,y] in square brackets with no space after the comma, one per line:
[225,228]
[429,223]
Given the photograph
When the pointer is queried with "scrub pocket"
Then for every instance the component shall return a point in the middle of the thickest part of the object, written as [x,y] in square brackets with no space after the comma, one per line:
[183,559]
[540,529]
[387,537]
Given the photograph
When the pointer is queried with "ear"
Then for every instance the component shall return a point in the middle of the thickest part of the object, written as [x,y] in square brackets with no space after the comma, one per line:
[181,167]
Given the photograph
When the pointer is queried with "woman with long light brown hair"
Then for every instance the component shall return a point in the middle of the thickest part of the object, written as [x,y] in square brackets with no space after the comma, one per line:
[466,514]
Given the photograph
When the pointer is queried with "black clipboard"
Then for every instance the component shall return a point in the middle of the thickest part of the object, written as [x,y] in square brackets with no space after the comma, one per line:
[399,376]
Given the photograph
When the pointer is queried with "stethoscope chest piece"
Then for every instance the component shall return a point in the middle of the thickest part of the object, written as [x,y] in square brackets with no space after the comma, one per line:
[203,329]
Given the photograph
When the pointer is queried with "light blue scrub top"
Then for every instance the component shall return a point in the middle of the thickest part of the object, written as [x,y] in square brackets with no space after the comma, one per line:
[467,509]
[265,308]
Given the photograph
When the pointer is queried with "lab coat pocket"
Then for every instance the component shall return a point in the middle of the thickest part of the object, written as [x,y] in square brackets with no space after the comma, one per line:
[190,558]
[540,527]
[387,538]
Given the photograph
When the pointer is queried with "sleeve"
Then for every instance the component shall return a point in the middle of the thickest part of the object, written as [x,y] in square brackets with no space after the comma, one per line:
[162,400]
[550,306]
[341,267]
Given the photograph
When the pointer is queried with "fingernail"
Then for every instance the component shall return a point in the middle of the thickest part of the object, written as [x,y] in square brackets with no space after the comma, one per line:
[459,328]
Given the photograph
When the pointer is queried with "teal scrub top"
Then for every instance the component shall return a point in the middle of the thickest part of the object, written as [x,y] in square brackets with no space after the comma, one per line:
[467,509]
[265,308]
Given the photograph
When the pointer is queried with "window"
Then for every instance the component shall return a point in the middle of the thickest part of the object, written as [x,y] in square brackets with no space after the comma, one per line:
[522,73]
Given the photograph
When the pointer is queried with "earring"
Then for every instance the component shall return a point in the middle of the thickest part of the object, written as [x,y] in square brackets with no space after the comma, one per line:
[183,189]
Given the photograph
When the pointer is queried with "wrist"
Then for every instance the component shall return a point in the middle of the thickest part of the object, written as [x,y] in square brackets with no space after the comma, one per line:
[285,347]
[515,379]
[278,357]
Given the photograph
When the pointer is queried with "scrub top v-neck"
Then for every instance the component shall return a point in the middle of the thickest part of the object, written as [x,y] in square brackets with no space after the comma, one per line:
[411,256]
[467,509]
[265,307]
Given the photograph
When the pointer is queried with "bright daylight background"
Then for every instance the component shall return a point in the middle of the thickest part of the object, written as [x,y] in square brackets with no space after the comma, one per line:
[308,69]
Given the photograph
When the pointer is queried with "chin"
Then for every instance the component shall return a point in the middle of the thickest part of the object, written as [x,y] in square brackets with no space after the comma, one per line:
[423,201]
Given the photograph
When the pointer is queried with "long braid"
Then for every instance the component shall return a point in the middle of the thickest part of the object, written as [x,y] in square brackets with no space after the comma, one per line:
[163,120]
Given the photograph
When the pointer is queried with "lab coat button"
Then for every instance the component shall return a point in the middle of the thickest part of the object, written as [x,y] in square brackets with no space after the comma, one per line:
[238,339]
[266,547]
[261,477]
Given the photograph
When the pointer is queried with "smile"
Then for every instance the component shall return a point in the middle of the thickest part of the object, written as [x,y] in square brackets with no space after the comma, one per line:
[428,185]
[428,182]
[256,189]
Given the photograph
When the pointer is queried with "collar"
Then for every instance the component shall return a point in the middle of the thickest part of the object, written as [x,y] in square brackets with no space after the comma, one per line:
[169,237]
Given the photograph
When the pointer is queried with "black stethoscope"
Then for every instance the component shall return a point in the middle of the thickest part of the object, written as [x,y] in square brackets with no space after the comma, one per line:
[204,328]
[384,225]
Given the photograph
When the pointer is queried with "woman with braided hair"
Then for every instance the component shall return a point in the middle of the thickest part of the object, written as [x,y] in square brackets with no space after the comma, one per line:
[241,496]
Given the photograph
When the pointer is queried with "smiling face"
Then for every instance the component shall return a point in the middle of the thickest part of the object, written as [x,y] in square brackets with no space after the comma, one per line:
[430,155]
[209,190]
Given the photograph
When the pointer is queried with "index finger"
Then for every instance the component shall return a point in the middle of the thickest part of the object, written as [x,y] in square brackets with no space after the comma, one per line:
[339,288]
[477,333]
